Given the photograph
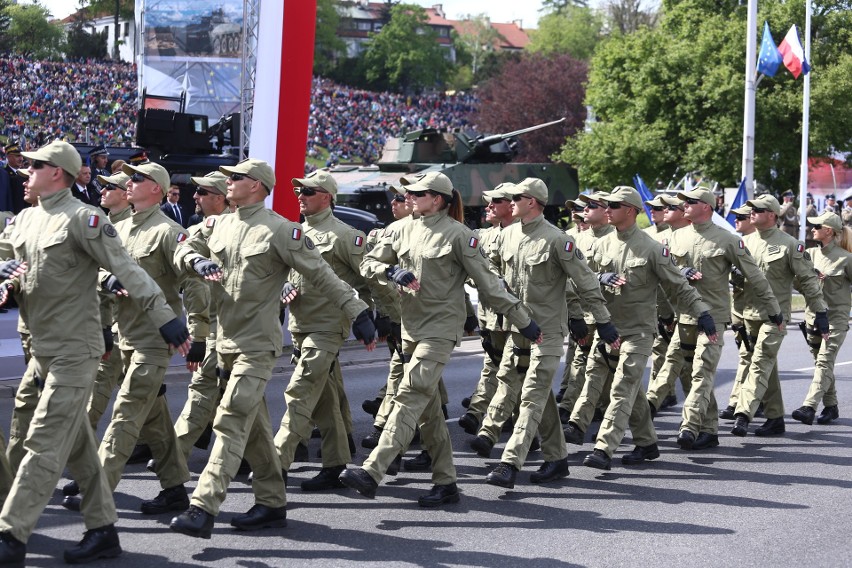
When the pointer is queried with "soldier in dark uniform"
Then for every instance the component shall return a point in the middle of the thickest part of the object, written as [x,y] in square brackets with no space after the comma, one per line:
[14,162]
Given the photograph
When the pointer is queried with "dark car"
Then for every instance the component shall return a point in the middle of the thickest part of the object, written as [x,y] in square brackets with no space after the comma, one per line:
[361,220]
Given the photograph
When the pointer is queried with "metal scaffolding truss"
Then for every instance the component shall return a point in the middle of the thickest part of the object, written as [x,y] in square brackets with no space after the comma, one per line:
[251,23]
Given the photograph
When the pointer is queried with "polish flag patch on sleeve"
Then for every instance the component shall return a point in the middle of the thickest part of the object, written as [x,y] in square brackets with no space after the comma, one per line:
[742,245]
[94,221]
[297,234]
[800,247]
[473,242]
[181,237]
[210,222]
[359,241]
[569,246]
[666,252]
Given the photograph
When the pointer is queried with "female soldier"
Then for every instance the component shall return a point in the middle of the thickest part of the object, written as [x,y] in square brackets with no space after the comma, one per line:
[429,260]
[833,263]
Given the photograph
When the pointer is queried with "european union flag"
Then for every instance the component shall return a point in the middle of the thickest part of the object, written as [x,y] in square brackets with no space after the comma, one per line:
[739,200]
[769,58]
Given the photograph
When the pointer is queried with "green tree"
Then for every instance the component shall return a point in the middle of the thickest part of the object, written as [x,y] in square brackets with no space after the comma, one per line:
[120,9]
[5,22]
[476,38]
[626,16]
[405,54]
[328,47]
[81,44]
[672,96]
[32,35]
[573,30]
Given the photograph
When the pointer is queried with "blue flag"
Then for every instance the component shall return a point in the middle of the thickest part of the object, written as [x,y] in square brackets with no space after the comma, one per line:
[769,58]
[739,201]
[644,192]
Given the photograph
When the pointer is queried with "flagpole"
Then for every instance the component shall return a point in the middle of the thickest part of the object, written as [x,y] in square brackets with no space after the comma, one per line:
[748,119]
[806,111]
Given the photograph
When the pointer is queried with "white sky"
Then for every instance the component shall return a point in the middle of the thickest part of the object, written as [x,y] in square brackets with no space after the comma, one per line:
[499,10]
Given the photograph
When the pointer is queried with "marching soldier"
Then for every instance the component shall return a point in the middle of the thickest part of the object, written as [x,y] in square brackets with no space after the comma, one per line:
[250,253]
[429,260]
[536,260]
[833,263]
[789,215]
[782,259]
[705,253]
[631,265]
[59,292]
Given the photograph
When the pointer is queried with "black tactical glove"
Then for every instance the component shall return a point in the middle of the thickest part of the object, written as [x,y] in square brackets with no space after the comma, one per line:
[109,341]
[531,332]
[363,328]
[8,268]
[470,323]
[688,272]
[111,284]
[196,352]
[578,328]
[607,332]
[174,332]
[777,319]
[821,322]
[205,267]
[608,278]
[383,326]
[706,324]
[400,276]
[288,292]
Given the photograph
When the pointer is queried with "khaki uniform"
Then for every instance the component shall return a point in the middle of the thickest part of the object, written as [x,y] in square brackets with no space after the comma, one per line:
[677,355]
[575,367]
[712,251]
[661,233]
[441,253]
[64,243]
[536,260]
[151,238]
[790,219]
[781,258]
[255,248]
[110,370]
[206,386]
[846,216]
[315,392]
[645,264]
[835,264]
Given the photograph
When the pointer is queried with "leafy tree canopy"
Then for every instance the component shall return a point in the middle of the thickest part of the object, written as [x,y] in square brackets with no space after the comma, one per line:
[31,34]
[573,30]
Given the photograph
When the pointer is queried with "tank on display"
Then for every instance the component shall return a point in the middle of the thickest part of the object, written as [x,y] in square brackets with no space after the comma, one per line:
[474,163]
[215,34]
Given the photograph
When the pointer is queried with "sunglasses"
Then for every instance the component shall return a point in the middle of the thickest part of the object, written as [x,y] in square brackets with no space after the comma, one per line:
[416,194]
[517,198]
[307,191]
[693,201]
[592,206]
[816,227]
[240,177]
[498,200]
[113,187]
[758,210]
[399,198]
[742,217]
[139,178]
[174,194]
[674,208]
[658,208]
[613,205]
[39,164]
[201,192]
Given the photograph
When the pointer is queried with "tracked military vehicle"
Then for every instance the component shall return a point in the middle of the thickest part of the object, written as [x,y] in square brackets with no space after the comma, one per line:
[474,163]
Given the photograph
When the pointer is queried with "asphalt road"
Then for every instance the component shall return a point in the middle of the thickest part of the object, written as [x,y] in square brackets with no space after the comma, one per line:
[751,502]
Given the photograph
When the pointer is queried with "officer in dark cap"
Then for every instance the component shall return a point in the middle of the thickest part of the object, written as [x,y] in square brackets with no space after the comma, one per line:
[831,204]
[789,214]
[14,162]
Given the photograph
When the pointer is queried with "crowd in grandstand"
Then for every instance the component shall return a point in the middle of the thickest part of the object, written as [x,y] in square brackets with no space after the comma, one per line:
[96,102]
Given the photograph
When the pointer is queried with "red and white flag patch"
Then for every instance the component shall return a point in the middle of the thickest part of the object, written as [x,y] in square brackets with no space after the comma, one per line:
[94,221]
[473,242]
[665,252]
[297,234]
[800,247]
[742,245]
[210,222]
[359,241]
[181,237]
[569,246]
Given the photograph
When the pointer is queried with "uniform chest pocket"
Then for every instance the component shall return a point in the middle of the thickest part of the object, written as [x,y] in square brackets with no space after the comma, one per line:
[151,260]
[217,252]
[637,271]
[58,256]
[256,263]
[773,261]
[437,264]
[540,270]
[713,259]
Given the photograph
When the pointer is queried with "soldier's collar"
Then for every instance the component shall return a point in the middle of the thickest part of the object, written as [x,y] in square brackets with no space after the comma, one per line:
[532,224]
[318,218]
[602,230]
[766,232]
[701,227]
[246,211]
[827,248]
[140,216]
[627,233]
[53,201]
[432,220]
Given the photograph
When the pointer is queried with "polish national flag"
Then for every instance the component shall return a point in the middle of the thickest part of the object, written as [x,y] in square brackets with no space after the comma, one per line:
[793,54]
